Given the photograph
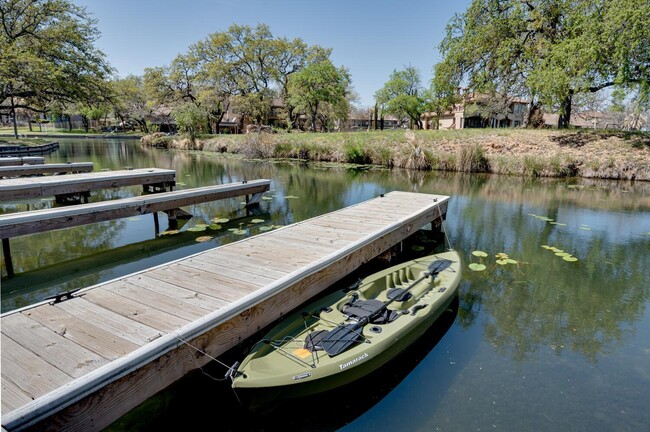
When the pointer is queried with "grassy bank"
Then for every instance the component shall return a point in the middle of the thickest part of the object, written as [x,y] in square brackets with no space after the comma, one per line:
[539,153]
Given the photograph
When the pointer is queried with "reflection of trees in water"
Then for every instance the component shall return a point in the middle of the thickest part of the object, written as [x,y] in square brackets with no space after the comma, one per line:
[589,306]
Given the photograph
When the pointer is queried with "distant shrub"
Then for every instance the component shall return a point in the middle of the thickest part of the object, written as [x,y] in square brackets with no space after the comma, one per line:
[471,158]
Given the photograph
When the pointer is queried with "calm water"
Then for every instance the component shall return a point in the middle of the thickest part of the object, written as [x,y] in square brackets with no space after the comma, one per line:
[542,345]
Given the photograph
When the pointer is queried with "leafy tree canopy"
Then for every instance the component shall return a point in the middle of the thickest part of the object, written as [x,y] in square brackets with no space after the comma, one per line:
[547,50]
[320,84]
[48,55]
[404,96]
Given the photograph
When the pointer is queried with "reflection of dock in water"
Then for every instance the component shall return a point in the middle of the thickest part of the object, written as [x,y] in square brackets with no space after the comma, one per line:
[85,359]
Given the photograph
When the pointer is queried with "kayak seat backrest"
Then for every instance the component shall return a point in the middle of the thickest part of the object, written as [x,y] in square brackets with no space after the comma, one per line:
[370,290]
[366,308]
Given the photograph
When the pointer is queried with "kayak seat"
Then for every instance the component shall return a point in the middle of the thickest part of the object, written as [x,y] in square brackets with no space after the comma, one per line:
[359,309]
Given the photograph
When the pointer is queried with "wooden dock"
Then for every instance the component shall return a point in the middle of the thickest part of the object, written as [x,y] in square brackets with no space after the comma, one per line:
[83,184]
[40,169]
[16,150]
[26,160]
[81,363]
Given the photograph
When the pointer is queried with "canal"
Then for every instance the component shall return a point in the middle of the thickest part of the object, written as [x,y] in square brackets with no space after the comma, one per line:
[556,338]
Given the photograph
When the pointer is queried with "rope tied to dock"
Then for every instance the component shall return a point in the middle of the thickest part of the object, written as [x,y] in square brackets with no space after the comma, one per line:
[199,350]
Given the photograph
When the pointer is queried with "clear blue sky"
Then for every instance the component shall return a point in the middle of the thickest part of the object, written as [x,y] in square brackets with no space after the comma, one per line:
[371,38]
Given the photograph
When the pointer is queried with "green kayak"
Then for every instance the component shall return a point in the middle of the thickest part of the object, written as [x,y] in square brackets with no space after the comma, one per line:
[350,333]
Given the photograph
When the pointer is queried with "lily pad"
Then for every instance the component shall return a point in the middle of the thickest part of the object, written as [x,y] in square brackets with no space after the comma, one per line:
[198,228]
[479,253]
[511,261]
[570,258]
[239,231]
[547,247]
[477,267]
[502,261]
[417,248]
[291,197]
[256,221]
[215,226]
[562,254]
[169,232]
[266,228]
[204,239]
[232,229]
[220,220]
[586,228]
[502,256]
[267,198]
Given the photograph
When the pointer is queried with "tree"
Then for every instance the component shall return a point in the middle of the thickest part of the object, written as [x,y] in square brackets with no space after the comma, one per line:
[403,96]
[318,84]
[48,56]
[548,50]
[189,119]
[131,102]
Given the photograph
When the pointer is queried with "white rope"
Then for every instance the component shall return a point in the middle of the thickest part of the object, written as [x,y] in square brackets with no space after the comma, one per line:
[189,345]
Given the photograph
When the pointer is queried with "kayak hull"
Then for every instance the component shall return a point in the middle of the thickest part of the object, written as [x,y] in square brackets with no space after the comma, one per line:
[284,365]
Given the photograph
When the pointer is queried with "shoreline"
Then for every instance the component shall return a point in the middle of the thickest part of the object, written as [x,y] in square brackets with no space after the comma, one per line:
[614,155]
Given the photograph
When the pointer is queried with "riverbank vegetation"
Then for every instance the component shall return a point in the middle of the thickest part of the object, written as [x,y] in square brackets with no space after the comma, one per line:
[535,153]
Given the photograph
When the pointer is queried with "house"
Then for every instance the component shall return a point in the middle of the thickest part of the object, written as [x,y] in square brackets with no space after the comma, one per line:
[477,110]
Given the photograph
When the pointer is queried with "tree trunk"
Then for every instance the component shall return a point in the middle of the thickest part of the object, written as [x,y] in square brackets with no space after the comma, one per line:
[565,111]
[69,122]
[13,116]
[381,122]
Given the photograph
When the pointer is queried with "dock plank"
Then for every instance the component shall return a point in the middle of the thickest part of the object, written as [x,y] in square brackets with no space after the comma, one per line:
[206,302]
[169,305]
[28,371]
[90,336]
[53,347]
[12,395]
[119,325]
[36,187]
[204,282]
[135,310]
[21,160]
[35,221]
[53,168]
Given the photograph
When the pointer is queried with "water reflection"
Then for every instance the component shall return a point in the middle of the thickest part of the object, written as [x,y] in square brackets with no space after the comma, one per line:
[543,316]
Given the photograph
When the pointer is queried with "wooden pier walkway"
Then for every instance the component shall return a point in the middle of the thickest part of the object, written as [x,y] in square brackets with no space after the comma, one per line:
[39,169]
[83,184]
[26,160]
[81,363]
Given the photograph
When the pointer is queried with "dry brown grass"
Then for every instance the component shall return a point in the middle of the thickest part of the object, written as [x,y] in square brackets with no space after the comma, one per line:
[539,153]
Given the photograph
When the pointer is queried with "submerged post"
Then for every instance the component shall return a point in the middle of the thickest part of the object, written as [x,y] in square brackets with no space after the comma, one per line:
[7,254]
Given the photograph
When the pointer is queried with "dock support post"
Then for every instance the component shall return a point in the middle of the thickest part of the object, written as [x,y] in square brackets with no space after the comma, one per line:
[7,254]
[156,224]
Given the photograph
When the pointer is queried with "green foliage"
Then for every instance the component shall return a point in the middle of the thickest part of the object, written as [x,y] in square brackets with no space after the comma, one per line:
[356,153]
[190,119]
[319,85]
[403,96]
[545,50]
[48,55]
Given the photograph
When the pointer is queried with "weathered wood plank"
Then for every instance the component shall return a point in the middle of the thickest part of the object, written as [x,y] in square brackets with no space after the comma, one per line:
[145,281]
[54,168]
[135,310]
[81,332]
[169,305]
[204,282]
[12,395]
[35,187]
[54,348]
[118,324]
[28,371]
[21,160]
[31,222]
